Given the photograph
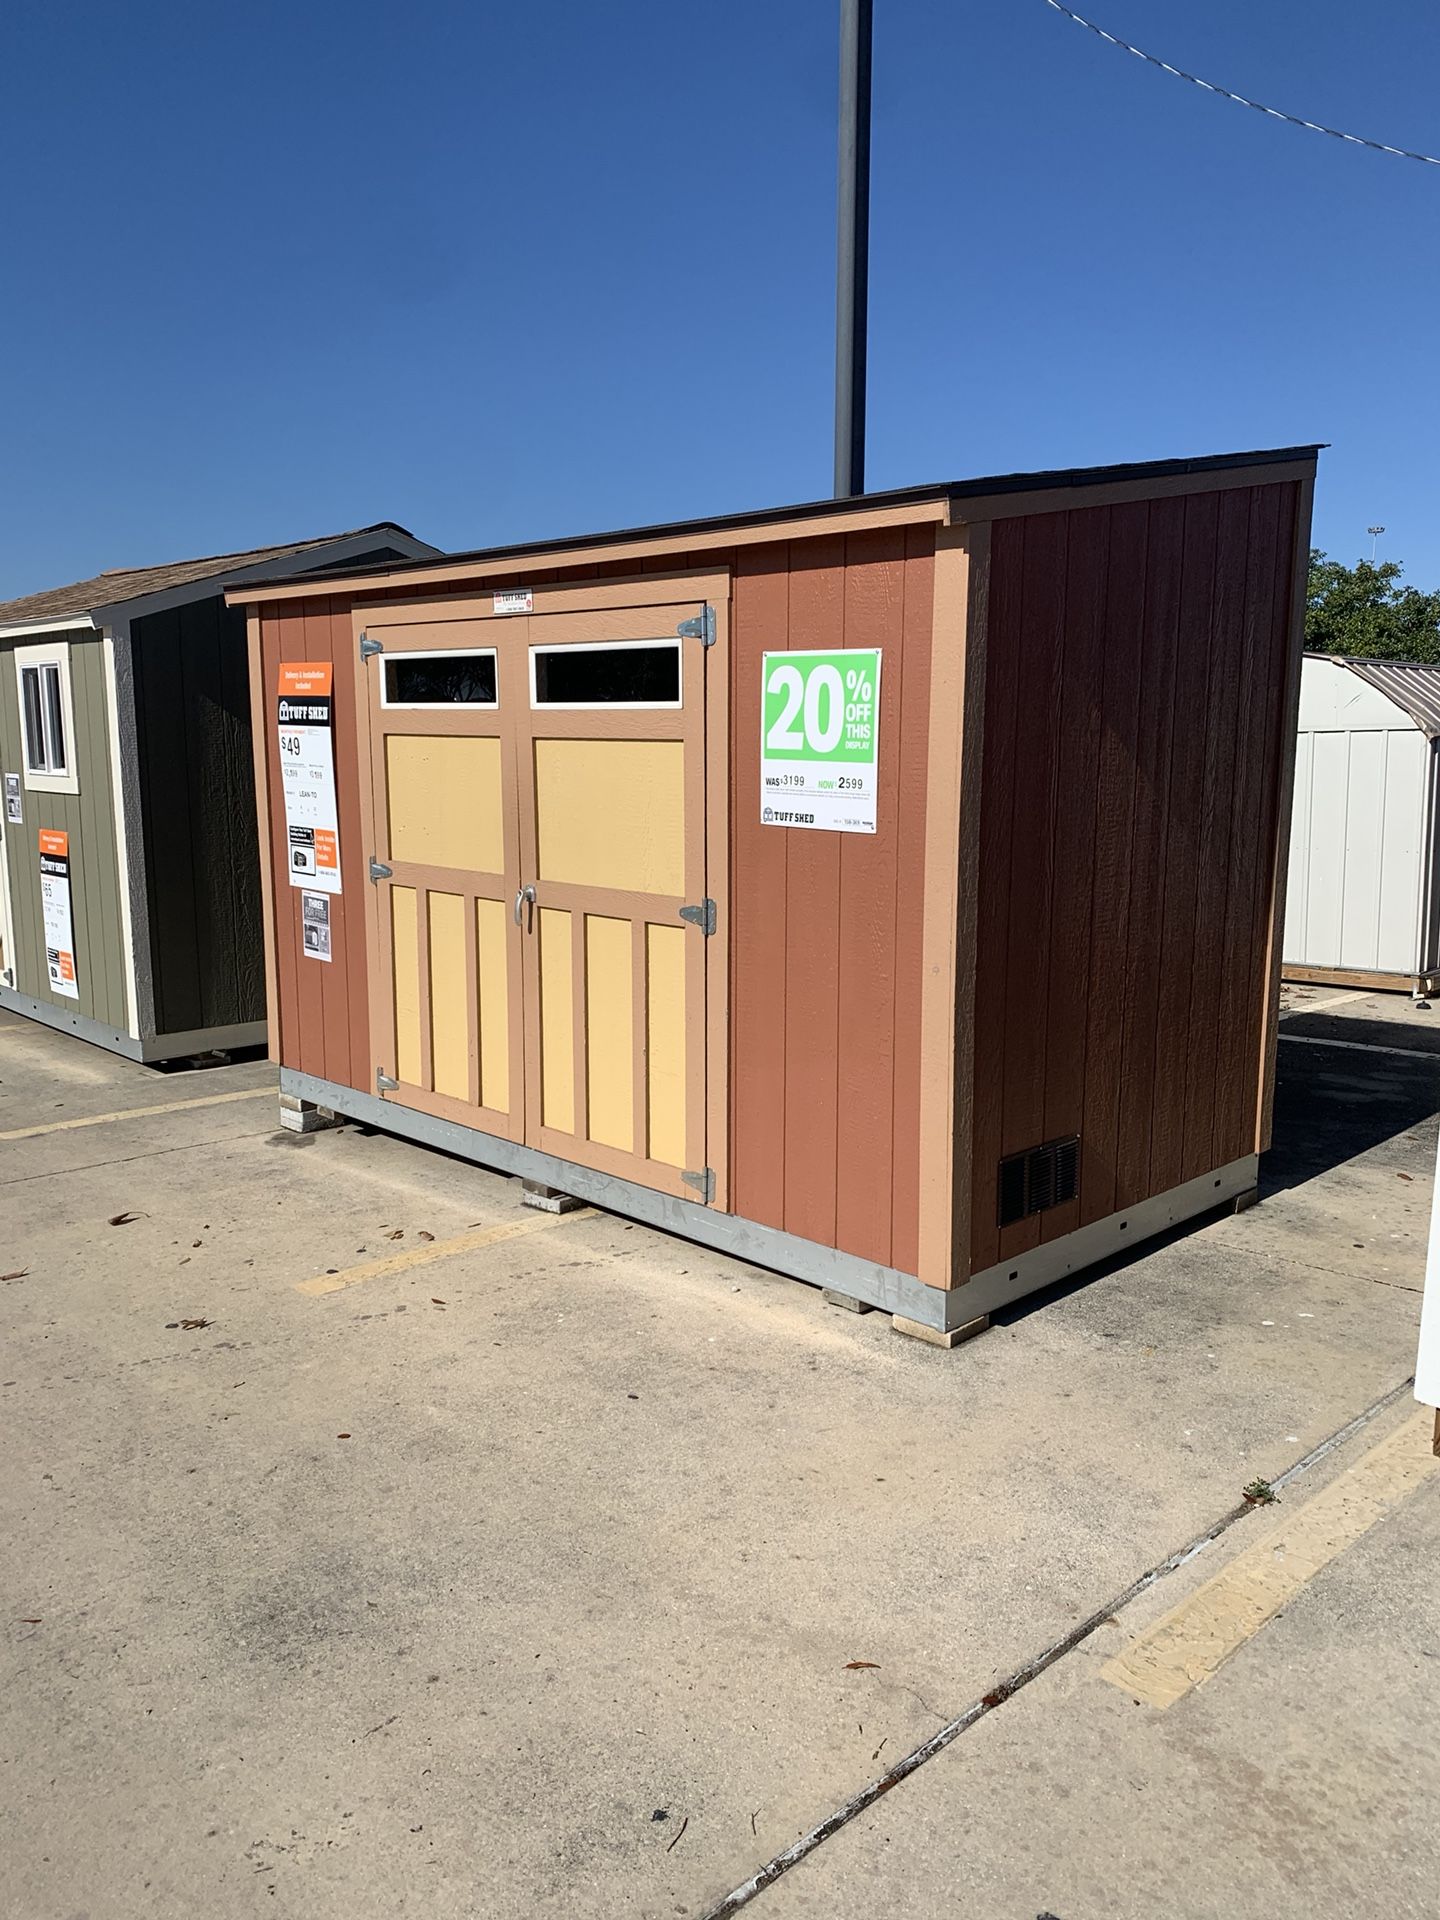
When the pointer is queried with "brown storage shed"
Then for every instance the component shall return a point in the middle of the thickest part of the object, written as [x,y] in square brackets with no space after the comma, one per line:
[885,890]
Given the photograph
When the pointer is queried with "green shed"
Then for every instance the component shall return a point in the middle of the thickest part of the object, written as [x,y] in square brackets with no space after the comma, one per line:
[129,876]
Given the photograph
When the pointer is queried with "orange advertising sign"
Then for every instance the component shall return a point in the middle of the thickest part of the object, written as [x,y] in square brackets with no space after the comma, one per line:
[53,843]
[306,679]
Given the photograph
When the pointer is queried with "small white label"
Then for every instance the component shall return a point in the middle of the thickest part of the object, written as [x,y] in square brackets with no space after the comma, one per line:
[315,925]
[519,600]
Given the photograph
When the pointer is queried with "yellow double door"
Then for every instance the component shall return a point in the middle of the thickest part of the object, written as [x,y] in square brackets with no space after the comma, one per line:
[536,815]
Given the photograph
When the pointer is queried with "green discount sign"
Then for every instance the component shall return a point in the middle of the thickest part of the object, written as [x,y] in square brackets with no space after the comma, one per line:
[820,739]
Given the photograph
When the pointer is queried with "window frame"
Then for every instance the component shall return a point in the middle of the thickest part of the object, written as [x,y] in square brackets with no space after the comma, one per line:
[47,779]
[437,706]
[537,647]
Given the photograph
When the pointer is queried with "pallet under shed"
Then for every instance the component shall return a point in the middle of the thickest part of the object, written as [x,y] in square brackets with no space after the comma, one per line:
[1011,1012]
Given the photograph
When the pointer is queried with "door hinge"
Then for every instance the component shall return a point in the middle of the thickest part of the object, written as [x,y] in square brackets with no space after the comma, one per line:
[369,646]
[701,628]
[383,1082]
[702,916]
[703,1182]
[379,870]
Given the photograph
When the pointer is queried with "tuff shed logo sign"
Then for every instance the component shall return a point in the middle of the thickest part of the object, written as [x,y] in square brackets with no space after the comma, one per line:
[306,717]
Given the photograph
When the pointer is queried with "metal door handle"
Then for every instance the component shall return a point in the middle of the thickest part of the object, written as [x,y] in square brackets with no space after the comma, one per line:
[525,894]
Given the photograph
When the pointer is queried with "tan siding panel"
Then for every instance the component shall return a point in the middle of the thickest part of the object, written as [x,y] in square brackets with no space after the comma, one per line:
[911,809]
[812,937]
[865,1016]
[759,906]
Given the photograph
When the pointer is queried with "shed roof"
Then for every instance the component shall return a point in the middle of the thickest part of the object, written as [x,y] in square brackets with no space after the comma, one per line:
[940,500]
[118,585]
[1410,684]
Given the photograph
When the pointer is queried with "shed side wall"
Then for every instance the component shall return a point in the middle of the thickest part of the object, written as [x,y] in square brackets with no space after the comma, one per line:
[89,818]
[1359,833]
[1135,710]
[197,785]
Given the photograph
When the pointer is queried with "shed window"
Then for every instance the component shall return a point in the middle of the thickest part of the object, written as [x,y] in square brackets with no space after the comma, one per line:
[447,679]
[625,673]
[46,718]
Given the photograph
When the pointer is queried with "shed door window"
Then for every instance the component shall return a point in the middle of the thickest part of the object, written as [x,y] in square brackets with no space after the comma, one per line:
[448,679]
[42,697]
[626,673]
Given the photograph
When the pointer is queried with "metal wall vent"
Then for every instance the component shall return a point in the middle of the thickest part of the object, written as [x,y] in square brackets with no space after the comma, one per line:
[1040,1177]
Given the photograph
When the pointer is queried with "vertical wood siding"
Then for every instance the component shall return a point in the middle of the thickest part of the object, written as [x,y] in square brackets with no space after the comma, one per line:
[1134,712]
[89,819]
[825,928]
[324,1009]
[197,782]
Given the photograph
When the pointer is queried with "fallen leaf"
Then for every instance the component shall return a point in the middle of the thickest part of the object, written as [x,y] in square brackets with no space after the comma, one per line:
[30,1623]
[192,1326]
[18,1274]
[436,1303]
[342,1436]
[122,1219]
[1404,1176]
[397,1234]
[196,1243]
[422,1235]
[854,1666]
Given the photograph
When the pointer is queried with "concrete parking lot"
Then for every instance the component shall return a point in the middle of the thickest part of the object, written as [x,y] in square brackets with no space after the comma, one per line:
[375,1546]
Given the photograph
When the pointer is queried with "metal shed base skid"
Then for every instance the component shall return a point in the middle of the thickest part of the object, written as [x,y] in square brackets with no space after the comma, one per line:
[160,1046]
[900,1294]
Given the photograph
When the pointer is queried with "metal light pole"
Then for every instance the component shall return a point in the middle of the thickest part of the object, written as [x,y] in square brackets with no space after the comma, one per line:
[1374,533]
[852,274]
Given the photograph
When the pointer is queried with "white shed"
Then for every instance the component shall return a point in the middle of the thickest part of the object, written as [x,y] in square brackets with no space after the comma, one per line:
[1363,906]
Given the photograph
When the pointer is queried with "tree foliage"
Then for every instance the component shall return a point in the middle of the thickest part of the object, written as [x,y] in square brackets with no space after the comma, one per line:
[1364,611]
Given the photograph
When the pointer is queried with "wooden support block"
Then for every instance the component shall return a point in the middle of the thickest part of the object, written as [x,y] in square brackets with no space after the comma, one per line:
[834,1298]
[934,1336]
[303,1116]
[534,1193]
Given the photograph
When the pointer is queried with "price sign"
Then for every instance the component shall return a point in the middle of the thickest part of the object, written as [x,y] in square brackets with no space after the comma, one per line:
[307,774]
[820,740]
[55,914]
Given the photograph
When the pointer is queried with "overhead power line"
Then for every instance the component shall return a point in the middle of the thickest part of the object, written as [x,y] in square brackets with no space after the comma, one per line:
[1273,113]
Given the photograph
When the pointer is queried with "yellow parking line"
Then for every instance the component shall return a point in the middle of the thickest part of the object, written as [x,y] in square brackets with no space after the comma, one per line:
[421,1256]
[138,1113]
[1184,1648]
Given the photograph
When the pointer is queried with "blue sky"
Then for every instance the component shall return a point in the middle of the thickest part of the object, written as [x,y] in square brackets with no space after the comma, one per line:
[502,272]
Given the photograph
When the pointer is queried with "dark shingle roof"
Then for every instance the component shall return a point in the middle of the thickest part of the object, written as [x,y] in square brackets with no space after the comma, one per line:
[120,584]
